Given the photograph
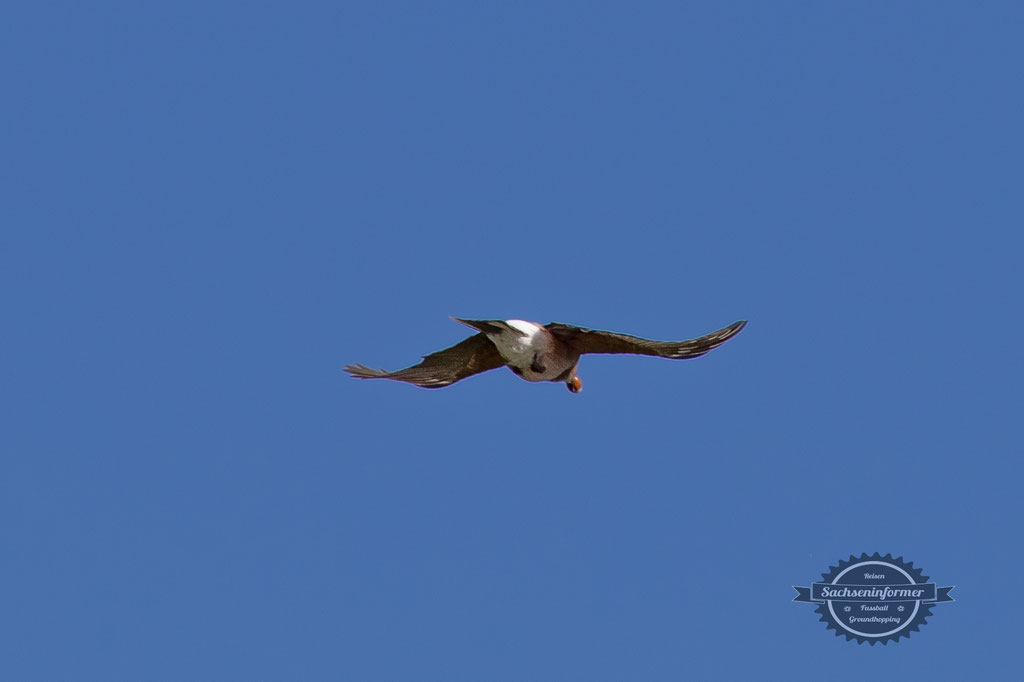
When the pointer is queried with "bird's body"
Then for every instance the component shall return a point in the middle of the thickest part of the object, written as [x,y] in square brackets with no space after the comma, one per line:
[536,352]
[527,348]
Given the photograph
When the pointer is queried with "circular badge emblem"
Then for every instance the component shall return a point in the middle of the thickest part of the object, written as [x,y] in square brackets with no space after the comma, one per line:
[874,598]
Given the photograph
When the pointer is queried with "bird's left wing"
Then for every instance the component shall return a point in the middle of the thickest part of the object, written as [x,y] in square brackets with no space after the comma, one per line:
[443,368]
[593,341]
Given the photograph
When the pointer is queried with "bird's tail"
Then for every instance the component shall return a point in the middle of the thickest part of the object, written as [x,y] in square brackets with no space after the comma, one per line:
[485,326]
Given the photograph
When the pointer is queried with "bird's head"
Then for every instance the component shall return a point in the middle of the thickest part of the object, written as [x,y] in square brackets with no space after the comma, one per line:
[574,384]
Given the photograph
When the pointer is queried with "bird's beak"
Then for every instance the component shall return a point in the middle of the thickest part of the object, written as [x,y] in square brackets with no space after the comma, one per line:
[574,385]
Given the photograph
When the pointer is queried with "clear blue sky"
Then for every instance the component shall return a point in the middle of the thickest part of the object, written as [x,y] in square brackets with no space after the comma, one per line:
[210,208]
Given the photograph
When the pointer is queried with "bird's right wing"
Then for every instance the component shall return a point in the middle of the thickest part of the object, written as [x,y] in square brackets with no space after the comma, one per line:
[594,341]
[472,356]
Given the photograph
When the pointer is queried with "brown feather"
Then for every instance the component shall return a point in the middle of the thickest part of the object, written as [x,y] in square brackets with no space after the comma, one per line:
[582,341]
[468,357]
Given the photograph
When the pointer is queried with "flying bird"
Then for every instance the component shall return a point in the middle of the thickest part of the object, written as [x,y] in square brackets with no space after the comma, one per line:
[536,352]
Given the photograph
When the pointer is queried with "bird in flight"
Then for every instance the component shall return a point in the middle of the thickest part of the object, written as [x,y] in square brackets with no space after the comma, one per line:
[536,352]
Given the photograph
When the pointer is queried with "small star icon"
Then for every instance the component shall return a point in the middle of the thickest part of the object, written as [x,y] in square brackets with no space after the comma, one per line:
[900,608]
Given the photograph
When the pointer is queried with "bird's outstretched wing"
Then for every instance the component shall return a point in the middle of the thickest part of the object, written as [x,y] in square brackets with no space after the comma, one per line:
[443,368]
[593,341]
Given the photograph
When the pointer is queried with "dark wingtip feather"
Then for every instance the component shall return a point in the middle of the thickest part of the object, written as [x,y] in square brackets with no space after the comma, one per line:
[364,372]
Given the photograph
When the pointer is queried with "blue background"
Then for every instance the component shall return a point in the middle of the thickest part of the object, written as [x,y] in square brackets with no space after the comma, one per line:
[210,208]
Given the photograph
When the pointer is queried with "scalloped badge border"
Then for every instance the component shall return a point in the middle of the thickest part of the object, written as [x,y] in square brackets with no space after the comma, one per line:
[928,595]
